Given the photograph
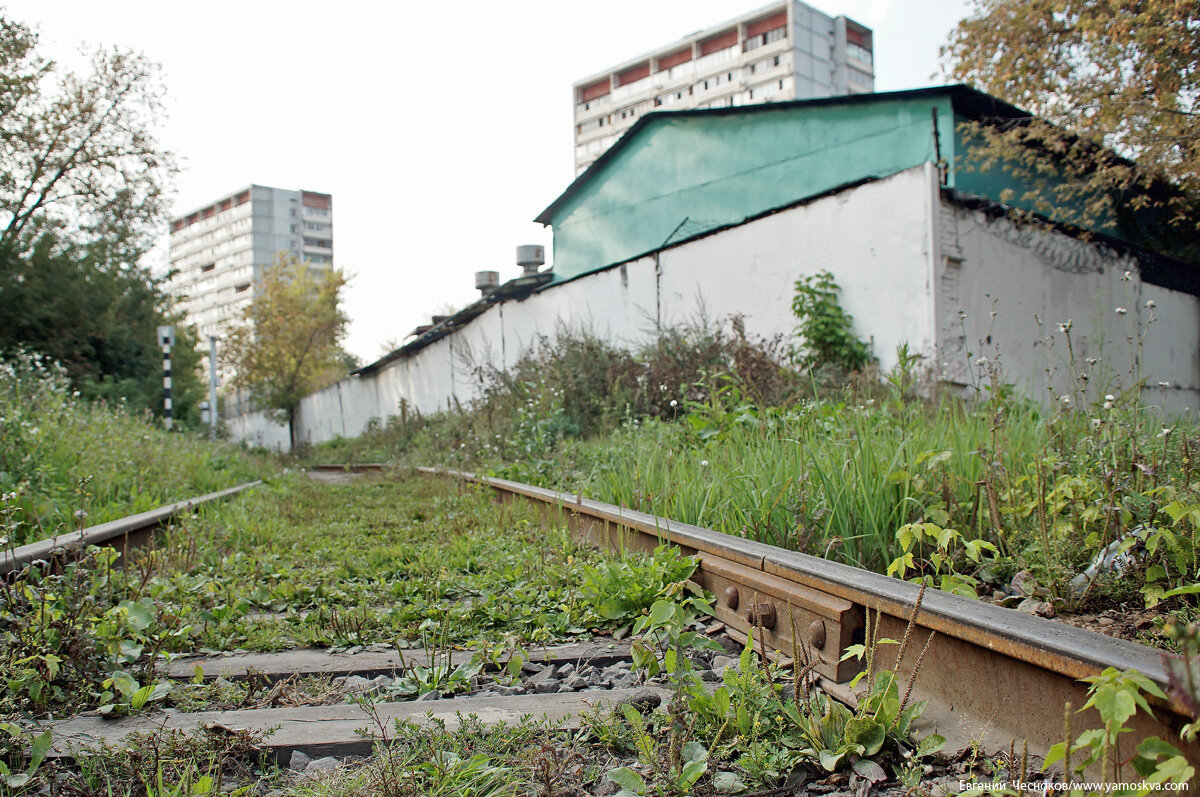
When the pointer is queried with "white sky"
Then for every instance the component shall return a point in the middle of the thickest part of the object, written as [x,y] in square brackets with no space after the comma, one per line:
[440,129]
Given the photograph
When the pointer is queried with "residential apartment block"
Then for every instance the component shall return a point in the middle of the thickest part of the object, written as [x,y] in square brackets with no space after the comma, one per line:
[785,51]
[216,252]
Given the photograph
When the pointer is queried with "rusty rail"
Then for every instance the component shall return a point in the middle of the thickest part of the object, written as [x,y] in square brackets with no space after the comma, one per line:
[128,532]
[354,467]
[992,675]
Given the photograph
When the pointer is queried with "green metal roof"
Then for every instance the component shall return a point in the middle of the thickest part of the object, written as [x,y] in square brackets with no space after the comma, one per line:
[970,102]
[676,175]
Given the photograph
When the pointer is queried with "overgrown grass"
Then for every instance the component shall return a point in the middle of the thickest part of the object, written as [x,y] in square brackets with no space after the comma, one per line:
[882,471]
[65,462]
[415,562]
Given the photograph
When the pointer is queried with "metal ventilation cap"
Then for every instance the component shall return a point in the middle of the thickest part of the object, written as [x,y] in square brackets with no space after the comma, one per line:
[487,281]
[531,257]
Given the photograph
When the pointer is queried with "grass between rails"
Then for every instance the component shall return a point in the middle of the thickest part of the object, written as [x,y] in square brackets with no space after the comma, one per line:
[297,564]
[67,463]
[416,562]
[304,564]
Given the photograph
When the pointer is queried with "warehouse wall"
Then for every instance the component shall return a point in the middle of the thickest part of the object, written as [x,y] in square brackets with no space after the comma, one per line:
[913,269]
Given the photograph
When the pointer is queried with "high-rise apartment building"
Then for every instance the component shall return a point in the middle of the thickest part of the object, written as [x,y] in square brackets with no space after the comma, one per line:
[785,51]
[216,252]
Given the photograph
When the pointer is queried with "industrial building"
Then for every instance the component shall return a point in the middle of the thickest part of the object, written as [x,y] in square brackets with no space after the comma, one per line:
[217,251]
[720,211]
[785,51]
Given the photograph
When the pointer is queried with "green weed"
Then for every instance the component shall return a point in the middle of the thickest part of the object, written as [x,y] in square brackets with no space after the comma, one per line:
[66,463]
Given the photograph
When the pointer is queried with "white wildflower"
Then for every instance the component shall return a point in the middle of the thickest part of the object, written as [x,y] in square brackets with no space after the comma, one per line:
[704,463]
[982,361]
[1121,311]
[1066,326]
[674,403]
[1095,422]
[1066,400]
[1108,405]
[1150,305]
[1126,276]
[1164,384]
[1110,397]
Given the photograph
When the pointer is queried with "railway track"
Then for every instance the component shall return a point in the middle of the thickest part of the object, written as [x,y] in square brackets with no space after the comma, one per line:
[122,534]
[993,677]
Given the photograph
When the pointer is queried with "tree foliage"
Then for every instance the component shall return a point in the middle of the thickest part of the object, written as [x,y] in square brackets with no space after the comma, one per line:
[288,343]
[1114,86]
[98,322]
[78,153]
[83,182]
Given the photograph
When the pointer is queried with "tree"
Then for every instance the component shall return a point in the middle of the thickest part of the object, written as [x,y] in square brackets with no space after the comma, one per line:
[98,322]
[82,186]
[1114,87]
[288,343]
[78,153]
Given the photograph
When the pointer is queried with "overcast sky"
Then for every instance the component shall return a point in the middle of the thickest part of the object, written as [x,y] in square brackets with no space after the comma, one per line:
[440,129]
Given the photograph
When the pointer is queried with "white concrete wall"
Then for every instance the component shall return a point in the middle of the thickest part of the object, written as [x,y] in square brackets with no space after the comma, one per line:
[1034,280]
[874,239]
[256,429]
[907,264]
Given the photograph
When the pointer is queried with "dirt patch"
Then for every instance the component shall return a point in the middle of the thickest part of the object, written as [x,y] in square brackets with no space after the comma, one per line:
[335,476]
[1125,622]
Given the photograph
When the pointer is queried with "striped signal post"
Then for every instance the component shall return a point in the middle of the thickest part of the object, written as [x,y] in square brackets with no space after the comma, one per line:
[166,338]
[213,381]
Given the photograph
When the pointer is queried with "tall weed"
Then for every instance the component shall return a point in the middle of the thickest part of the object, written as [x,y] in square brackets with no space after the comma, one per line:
[66,462]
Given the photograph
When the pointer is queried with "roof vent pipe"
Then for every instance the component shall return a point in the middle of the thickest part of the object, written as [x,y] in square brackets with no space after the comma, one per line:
[531,257]
[487,282]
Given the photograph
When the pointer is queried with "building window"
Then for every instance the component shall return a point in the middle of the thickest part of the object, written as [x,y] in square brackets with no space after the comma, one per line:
[754,42]
[858,52]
